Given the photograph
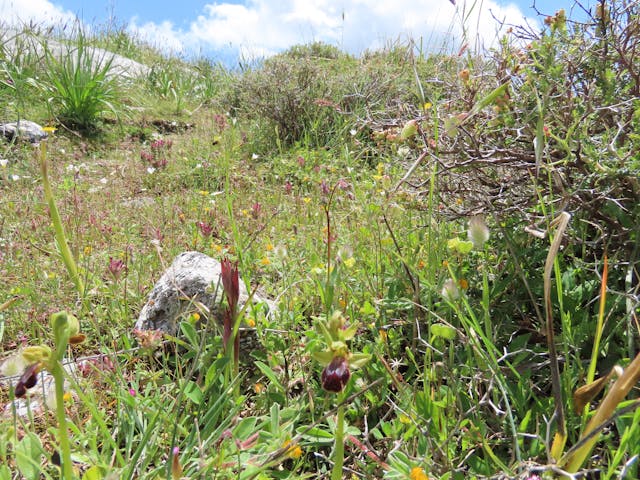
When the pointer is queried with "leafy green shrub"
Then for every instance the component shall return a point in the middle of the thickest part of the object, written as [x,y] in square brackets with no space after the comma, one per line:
[314,94]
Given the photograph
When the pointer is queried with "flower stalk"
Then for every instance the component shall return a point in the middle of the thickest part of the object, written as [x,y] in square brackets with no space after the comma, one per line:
[66,331]
[60,237]
[231,319]
[338,452]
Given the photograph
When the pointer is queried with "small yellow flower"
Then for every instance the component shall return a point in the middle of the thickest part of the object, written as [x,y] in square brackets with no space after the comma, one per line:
[258,388]
[417,473]
[67,397]
[445,263]
[427,105]
[269,247]
[306,200]
[195,316]
[87,250]
[217,247]
[49,129]
[421,264]
[404,419]
[464,284]
[343,303]
[244,212]
[384,336]
[250,322]
[204,193]
[350,262]
[293,451]
[265,261]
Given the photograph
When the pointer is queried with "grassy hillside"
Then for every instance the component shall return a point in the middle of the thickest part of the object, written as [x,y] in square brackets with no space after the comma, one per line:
[451,243]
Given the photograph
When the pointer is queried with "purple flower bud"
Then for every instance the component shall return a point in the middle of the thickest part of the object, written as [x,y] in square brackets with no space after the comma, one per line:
[336,375]
[28,380]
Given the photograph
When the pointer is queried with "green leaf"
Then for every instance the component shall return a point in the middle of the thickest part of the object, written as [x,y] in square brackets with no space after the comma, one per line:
[443,331]
[409,130]
[193,392]
[28,455]
[367,309]
[245,428]
[270,374]
[94,473]
[5,473]
[215,370]
[316,435]
[189,331]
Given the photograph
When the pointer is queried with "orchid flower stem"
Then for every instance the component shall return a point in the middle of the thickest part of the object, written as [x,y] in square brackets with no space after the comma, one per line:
[61,239]
[63,437]
[338,450]
[61,338]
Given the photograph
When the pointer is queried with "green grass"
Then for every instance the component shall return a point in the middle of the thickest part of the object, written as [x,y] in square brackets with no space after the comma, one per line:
[296,169]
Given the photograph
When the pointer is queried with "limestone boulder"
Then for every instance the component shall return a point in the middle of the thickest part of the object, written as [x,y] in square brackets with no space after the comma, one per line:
[23,130]
[192,277]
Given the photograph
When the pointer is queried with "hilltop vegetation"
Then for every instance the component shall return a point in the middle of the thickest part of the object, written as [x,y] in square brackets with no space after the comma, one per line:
[462,228]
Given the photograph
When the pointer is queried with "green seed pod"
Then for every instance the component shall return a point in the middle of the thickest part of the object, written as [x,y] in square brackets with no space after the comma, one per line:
[409,130]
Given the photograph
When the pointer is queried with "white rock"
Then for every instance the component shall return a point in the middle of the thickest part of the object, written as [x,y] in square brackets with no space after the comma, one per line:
[192,277]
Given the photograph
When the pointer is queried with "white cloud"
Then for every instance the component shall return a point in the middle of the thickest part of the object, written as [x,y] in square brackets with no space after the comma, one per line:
[264,27]
[163,36]
[257,28]
[39,12]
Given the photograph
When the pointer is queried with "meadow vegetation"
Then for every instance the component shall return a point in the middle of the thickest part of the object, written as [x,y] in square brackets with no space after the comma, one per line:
[451,241]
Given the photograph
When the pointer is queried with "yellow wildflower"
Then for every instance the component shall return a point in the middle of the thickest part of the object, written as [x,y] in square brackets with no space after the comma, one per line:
[417,473]
[250,322]
[404,419]
[350,262]
[293,451]
[306,200]
[67,397]
[258,387]
[383,335]
[265,261]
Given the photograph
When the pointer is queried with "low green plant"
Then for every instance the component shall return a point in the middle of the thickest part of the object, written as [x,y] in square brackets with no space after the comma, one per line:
[79,83]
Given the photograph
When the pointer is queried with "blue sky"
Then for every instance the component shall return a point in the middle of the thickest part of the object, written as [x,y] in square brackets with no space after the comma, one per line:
[257,28]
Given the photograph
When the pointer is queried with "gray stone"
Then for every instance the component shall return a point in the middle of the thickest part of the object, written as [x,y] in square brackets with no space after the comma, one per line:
[15,42]
[192,277]
[24,130]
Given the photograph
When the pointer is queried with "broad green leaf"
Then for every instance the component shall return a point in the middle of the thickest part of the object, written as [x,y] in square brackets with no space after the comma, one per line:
[28,455]
[189,331]
[193,392]
[94,473]
[270,374]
